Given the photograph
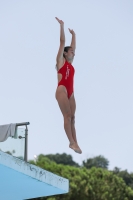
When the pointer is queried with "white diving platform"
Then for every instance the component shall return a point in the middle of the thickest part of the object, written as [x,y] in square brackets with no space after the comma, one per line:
[20,180]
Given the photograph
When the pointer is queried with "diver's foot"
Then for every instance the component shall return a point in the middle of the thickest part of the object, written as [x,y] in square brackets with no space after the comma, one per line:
[75,147]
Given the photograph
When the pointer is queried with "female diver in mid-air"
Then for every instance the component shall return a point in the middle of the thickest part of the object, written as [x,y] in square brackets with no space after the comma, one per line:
[64,92]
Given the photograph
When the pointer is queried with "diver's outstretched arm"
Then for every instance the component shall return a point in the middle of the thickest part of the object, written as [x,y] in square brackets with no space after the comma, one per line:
[73,41]
[59,57]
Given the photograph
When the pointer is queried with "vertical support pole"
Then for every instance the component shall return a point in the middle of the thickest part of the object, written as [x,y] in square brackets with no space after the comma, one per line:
[26,145]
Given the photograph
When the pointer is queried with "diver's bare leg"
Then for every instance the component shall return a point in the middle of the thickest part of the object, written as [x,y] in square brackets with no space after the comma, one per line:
[64,105]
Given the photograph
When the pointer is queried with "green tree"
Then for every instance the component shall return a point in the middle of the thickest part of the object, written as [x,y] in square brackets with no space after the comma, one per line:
[92,184]
[8,152]
[98,161]
[64,159]
[116,170]
[127,177]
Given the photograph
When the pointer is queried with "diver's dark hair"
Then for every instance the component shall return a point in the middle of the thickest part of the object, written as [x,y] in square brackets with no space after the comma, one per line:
[66,49]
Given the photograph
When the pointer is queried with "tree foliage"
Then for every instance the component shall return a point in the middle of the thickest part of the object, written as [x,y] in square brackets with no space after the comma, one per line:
[92,184]
[63,158]
[127,177]
[98,161]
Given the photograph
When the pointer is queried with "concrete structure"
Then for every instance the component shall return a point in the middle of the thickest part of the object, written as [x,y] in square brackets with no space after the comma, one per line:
[21,180]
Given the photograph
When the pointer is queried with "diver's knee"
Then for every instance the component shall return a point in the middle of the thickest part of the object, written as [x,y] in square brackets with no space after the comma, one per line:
[67,118]
[73,119]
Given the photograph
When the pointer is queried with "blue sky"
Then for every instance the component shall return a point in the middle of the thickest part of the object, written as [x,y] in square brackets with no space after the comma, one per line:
[29,41]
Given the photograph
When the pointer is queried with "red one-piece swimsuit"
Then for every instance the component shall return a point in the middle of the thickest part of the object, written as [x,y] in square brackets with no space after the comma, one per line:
[67,71]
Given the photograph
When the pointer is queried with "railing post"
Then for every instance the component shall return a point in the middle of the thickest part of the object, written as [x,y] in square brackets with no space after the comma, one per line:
[26,145]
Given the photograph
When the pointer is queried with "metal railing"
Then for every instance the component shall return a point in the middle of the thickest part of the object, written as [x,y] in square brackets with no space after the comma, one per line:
[26,138]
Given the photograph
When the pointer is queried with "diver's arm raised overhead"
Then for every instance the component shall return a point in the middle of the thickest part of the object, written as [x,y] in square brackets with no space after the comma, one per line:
[73,41]
[60,58]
